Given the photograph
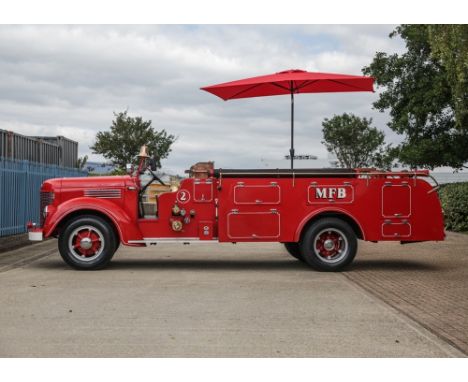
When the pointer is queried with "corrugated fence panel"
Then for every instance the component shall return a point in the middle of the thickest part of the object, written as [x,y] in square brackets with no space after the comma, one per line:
[59,150]
[3,143]
[20,182]
[69,151]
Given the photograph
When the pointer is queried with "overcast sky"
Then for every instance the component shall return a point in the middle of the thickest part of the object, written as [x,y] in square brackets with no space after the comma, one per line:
[68,80]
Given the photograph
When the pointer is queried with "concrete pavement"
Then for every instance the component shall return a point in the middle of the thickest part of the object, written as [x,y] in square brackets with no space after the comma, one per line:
[199,300]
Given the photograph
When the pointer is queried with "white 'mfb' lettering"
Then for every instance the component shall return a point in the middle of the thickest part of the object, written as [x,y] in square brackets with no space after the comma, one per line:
[330,193]
[321,193]
[341,193]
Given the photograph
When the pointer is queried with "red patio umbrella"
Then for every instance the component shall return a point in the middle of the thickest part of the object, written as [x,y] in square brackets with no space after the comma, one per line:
[291,82]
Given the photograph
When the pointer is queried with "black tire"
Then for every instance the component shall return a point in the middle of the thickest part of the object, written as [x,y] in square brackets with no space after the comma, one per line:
[294,250]
[101,237]
[317,241]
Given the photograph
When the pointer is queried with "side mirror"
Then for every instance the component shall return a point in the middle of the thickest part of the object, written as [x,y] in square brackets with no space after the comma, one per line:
[129,168]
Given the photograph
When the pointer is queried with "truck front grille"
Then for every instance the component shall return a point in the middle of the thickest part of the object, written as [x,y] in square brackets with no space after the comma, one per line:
[47,198]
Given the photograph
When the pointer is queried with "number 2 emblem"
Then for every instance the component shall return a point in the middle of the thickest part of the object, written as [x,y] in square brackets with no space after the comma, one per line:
[183,196]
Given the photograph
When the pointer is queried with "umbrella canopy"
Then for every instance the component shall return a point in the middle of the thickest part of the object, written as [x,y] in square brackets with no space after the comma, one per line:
[291,82]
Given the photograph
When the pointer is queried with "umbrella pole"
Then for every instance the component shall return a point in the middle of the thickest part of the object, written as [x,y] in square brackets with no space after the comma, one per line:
[291,150]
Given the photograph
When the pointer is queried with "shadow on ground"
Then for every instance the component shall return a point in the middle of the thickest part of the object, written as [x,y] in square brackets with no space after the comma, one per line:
[193,265]
[200,265]
[242,264]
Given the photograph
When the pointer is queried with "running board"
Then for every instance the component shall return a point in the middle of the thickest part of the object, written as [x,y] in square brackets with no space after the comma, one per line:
[180,240]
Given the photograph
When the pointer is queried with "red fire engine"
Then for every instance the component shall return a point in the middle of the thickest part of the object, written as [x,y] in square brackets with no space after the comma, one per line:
[318,214]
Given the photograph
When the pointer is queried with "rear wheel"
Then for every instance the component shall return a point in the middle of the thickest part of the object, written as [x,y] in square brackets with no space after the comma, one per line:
[294,250]
[329,244]
[87,242]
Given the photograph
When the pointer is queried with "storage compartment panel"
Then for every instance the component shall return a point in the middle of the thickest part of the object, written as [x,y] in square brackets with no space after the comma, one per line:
[257,194]
[396,229]
[253,225]
[396,201]
[202,191]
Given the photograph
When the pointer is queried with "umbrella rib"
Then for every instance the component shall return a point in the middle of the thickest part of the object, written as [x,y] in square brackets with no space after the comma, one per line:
[344,83]
[243,91]
[306,83]
[280,86]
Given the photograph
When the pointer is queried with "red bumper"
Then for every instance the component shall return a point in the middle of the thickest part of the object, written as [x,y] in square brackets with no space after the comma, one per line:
[34,233]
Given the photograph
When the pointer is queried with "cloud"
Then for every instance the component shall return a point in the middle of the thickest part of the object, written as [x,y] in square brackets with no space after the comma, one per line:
[69,80]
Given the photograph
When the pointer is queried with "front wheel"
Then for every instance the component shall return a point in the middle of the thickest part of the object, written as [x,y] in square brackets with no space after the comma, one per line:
[329,244]
[87,242]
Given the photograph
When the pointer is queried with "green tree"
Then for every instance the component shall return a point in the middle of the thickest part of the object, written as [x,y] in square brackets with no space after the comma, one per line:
[423,93]
[449,44]
[127,134]
[355,142]
[81,162]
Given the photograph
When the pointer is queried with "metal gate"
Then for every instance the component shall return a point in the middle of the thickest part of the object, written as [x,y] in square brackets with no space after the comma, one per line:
[20,182]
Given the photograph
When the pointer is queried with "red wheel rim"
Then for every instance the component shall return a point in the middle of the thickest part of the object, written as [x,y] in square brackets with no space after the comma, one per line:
[330,245]
[86,243]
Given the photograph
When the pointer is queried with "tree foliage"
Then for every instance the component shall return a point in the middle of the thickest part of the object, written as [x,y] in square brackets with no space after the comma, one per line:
[425,91]
[81,162]
[355,142]
[449,45]
[454,200]
[127,134]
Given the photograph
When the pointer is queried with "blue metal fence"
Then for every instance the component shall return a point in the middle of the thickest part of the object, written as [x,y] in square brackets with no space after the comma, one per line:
[20,182]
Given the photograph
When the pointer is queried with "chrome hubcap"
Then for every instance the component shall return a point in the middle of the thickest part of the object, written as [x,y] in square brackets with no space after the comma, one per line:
[86,243]
[330,245]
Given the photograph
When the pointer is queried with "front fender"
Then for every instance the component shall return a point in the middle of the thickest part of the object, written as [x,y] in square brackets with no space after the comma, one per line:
[125,226]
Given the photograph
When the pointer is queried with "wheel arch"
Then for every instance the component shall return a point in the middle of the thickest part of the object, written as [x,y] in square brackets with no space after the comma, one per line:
[86,212]
[340,214]
[120,222]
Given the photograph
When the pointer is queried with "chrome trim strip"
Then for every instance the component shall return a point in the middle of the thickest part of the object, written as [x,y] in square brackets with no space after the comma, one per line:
[103,193]
[183,240]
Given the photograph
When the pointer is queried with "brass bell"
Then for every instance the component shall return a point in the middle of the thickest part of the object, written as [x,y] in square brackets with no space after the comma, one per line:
[143,152]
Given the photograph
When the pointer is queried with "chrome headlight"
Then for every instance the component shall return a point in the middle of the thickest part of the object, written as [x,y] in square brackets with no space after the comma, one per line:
[47,197]
[45,211]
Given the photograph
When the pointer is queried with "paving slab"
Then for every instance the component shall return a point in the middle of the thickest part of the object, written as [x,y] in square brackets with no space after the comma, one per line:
[427,281]
[26,254]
